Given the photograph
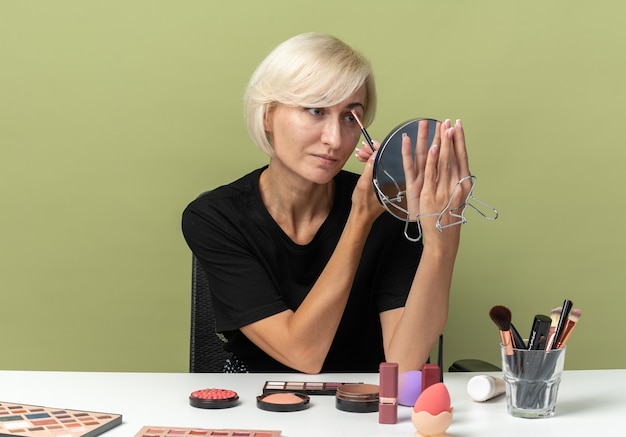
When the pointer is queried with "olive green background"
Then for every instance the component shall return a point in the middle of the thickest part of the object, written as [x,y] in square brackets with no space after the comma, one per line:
[115,114]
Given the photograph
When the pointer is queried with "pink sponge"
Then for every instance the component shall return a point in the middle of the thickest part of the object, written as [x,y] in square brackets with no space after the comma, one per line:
[434,400]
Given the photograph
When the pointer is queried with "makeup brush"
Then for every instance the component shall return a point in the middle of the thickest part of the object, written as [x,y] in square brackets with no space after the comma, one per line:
[501,316]
[518,341]
[365,134]
[555,314]
[572,320]
[567,307]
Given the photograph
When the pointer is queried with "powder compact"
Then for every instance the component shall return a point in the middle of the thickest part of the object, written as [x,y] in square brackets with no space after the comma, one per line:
[357,398]
[213,398]
[282,402]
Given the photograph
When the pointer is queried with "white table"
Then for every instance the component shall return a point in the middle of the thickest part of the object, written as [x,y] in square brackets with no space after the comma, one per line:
[591,402]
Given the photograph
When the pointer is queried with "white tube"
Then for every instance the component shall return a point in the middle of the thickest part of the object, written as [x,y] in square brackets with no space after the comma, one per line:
[484,387]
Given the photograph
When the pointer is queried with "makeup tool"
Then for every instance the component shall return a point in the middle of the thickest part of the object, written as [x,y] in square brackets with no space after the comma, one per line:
[357,398]
[481,388]
[304,387]
[162,431]
[432,414]
[518,341]
[567,307]
[213,398]
[388,397]
[539,332]
[501,316]
[365,134]
[282,402]
[409,387]
[555,314]
[21,420]
[572,320]
[440,357]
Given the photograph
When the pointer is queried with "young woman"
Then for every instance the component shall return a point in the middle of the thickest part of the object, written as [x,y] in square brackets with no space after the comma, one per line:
[307,273]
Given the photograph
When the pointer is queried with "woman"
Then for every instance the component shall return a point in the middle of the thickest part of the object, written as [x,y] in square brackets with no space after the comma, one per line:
[306,272]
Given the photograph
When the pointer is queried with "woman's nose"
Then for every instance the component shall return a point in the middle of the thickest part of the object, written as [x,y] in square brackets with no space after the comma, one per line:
[331,133]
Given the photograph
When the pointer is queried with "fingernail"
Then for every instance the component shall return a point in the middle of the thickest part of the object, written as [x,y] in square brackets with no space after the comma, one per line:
[458,122]
[447,123]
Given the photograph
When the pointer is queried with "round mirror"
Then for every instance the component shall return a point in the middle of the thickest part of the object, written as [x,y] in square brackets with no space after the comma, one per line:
[389,180]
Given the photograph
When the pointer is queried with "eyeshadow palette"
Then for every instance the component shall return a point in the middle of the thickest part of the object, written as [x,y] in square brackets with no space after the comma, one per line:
[308,388]
[160,431]
[21,420]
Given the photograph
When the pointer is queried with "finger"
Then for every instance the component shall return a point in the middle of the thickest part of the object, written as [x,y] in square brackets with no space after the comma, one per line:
[364,154]
[407,159]
[461,149]
[421,148]
[446,155]
[368,170]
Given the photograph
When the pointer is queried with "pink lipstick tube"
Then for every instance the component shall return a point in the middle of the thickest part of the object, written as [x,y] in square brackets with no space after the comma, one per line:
[388,396]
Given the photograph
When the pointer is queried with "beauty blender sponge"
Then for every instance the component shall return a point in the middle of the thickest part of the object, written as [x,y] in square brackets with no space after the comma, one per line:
[434,400]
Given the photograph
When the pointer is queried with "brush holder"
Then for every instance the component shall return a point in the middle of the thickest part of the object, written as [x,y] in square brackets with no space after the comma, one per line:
[532,379]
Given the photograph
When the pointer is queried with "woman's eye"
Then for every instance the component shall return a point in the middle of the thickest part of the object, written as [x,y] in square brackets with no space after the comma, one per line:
[316,111]
[350,118]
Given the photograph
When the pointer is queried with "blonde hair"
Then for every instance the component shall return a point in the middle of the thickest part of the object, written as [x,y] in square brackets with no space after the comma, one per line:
[310,70]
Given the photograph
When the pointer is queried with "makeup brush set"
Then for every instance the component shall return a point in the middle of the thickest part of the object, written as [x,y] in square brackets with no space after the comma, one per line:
[532,369]
[547,332]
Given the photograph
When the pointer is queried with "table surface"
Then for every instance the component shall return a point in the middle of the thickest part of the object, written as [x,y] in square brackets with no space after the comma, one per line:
[590,402]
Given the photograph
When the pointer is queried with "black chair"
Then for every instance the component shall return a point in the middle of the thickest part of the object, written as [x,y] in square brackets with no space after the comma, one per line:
[206,352]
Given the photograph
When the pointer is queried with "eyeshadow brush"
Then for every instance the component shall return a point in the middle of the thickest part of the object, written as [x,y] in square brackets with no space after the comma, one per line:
[365,134]
[555,314]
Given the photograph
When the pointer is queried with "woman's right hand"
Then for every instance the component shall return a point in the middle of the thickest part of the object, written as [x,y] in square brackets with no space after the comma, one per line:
[364,198]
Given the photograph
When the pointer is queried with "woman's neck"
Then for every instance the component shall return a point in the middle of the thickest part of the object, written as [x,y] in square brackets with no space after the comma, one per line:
[299,207]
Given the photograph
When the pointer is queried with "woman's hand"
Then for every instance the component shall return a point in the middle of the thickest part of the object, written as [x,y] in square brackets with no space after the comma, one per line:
[363,197]
[432,178]
[364,154]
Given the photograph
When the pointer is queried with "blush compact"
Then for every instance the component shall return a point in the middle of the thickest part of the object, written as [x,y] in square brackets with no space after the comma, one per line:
[357,398]
[283,402]
[213,398]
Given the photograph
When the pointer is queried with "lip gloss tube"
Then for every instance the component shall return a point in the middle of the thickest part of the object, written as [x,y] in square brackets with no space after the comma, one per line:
[388,394]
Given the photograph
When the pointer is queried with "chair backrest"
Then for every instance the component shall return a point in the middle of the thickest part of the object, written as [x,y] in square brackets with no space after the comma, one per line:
[206,352]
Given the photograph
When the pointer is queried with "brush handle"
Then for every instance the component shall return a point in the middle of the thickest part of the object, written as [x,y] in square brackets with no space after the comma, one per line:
[567,307]
[518,341]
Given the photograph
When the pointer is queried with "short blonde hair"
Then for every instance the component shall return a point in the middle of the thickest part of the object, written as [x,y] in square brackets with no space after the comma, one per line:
[310,70]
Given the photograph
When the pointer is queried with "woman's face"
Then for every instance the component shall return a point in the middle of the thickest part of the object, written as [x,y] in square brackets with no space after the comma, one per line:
[315,143]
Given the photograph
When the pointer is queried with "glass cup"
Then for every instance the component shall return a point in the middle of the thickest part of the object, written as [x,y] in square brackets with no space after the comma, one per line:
[532,379]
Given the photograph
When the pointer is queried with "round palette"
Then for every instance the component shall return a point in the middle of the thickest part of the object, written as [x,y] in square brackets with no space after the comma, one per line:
[213,398]
[283,402]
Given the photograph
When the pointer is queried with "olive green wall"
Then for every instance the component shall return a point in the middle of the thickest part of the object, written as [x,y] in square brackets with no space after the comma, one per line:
[115,114]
